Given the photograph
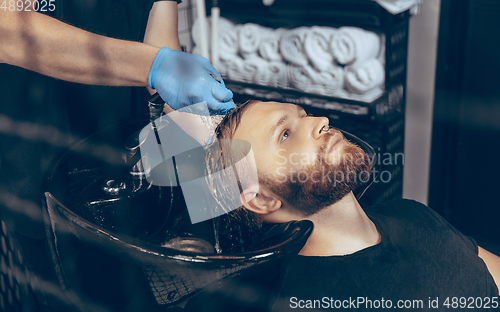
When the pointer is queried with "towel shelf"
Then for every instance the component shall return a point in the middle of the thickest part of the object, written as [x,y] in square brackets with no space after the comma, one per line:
[383,108]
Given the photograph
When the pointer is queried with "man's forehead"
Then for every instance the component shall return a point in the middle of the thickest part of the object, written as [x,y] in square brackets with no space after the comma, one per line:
[271,107]
[258,118]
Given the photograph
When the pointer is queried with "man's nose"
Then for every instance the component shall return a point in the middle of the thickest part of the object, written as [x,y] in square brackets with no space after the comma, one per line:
[319,127]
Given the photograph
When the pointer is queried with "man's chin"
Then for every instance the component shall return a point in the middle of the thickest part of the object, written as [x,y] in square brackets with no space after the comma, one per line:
[336,181]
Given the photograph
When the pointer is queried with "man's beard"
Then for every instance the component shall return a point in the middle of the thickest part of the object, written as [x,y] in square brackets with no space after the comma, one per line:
[323,183]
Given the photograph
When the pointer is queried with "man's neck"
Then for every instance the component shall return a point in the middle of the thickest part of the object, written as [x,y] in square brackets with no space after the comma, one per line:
[340,229]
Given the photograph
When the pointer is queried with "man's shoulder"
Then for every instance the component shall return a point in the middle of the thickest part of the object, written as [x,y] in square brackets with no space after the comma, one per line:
[399,202]
[400,207]
[406,215]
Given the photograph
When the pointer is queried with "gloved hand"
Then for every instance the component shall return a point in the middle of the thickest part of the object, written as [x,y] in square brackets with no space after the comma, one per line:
[183,79]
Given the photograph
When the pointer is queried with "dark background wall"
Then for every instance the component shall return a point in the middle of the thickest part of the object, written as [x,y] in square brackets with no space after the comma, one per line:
[465,169]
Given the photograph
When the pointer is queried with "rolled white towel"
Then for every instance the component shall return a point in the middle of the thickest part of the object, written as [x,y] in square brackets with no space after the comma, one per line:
[317,47]
[224,23]
[269,48]
[232,68]
[279,74]
[196,50]
[352,44]
[249,37]
[301,77]
[292,46]
[256,70]
[364,77]
[329,81]
[228,42]
[222,69]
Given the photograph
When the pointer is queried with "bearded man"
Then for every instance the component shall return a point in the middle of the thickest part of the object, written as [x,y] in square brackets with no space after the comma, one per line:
[398,254]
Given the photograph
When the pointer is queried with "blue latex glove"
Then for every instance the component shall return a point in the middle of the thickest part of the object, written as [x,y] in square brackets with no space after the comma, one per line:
[183,79]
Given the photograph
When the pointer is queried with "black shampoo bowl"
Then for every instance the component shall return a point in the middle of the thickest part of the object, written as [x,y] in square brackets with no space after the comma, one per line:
[121,244]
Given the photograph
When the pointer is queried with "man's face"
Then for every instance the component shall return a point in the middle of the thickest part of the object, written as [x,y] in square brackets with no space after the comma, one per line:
[308,166]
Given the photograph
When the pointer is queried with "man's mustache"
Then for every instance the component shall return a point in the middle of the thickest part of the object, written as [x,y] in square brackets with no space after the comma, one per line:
[326,140]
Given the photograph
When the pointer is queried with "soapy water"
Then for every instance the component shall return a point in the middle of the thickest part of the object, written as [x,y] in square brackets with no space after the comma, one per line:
[216,222]
[181,136]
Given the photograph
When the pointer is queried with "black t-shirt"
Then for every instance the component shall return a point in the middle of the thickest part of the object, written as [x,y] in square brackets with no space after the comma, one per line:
[421,260]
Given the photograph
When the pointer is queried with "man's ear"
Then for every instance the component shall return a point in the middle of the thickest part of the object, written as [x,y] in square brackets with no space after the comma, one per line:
[259,200]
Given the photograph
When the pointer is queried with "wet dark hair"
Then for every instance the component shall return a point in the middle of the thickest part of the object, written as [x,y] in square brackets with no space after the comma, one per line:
[238,227]
[227,127]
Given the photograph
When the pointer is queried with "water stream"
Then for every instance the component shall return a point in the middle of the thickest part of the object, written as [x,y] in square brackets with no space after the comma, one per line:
[216,222]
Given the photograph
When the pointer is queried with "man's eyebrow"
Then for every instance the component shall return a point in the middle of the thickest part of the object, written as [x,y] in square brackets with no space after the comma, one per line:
[282,120]
[279,123]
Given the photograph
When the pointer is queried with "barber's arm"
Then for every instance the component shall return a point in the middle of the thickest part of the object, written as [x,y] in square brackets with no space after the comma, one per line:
[48,46]
[181,78]
[162,28]
[493,263]
[43,44]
